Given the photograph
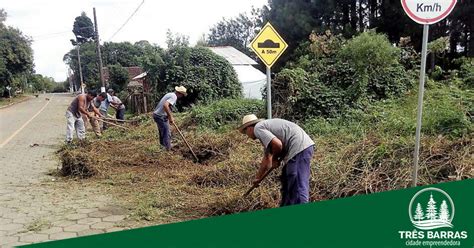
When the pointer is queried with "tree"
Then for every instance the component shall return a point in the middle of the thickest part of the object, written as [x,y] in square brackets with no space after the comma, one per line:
[236,32]
[83,28]
[118,77]
[431,213]
[419,213]
[437,48]
[3,16]
[41,83]
[175,40]
[124,53]
[444,212]
[208,76]
[89,61]
[16,55]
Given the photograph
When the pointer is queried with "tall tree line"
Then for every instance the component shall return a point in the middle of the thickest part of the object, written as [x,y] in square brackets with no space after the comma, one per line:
[295,20]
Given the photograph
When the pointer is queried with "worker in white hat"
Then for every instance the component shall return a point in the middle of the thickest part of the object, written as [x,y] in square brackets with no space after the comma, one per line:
[284,142]
[163,116]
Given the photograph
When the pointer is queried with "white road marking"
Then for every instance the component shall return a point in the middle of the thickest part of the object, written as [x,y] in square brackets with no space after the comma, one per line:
[24,125]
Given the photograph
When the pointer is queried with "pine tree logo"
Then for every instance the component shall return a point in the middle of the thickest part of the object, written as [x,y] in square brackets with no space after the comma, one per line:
[431,208]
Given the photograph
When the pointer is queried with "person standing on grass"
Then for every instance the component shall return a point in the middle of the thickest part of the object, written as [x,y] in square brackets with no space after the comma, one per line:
[118,106]
[163,116]
[76,109]
[104,106]
[284,142]
[93,121]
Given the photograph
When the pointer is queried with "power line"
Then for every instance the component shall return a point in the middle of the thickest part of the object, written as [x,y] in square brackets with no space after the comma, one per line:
[52,35]
[125,23]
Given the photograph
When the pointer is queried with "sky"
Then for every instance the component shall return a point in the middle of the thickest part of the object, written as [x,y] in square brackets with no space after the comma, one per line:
[49,23]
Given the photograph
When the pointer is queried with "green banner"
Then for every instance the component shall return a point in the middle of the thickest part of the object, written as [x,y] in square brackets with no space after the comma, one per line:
[439,215]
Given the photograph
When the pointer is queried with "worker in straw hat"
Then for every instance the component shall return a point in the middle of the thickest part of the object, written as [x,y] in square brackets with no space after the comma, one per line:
[163,116]
[287,143]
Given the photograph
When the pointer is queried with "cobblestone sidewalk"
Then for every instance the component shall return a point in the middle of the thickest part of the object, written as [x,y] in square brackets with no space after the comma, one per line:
[36,207]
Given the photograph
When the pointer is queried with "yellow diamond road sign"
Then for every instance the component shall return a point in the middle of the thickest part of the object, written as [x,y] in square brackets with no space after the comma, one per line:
[268,45]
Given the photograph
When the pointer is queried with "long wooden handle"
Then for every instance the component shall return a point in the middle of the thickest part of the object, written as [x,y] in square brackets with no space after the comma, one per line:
[185,141]
[259,181]
[113,119]
[111,123]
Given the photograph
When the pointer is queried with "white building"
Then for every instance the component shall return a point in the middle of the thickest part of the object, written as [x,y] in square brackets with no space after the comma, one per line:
[252,80]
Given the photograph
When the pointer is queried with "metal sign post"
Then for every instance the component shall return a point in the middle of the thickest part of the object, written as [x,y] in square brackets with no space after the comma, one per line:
[426,13]
[269,93]
[421,91]
[269,46]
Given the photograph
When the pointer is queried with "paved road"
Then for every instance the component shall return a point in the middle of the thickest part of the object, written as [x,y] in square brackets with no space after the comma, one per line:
[34,206]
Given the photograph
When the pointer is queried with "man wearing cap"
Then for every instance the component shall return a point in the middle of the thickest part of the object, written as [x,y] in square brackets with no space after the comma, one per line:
[284,142]
[163,116]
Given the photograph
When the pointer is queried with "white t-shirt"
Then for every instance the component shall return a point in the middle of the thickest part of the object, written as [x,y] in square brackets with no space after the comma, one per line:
[118,101]
[171,98]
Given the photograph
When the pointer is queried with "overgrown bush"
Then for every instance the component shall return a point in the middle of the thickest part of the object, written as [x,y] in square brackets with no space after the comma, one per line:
[226,111]
[466,71]
[330,80]
[298,95]
[376,61]
[208,76]
[118,77]
[446,112]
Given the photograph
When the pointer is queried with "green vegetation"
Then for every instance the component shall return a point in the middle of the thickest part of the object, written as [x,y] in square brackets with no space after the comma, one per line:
[208,76]
[362,151]
[327,81]
[352,89]
[16,64]
[224,112]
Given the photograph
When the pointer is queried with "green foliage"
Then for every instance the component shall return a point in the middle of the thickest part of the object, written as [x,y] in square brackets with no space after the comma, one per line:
[176,40]
[437,73]
[439,45]
[3,16]
[224,112]
[16,56]
[41,83]
[466,71]
[123,53]
[89,62]
[61,87]
[328,81]
[208,76]
[297,95]
[445,112]
[370,52]
[376,64]
[83,28]
[118,77]
[236,32]
[325,45]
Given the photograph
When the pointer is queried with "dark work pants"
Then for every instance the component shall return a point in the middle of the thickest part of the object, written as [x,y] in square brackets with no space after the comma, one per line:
[120,114]
[295,178]
[163,130]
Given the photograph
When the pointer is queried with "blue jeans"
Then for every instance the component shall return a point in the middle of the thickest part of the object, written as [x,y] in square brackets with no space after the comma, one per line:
[163,130]
[295,178]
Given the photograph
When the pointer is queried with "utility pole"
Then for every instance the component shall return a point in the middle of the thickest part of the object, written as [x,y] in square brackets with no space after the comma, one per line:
[102,89]
[80,68]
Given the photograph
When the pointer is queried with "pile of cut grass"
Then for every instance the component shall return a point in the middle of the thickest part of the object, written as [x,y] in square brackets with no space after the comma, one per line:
[353,156]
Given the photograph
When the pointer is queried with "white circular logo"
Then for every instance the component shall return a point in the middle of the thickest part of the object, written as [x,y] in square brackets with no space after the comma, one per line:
[428,11]
[431,208]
